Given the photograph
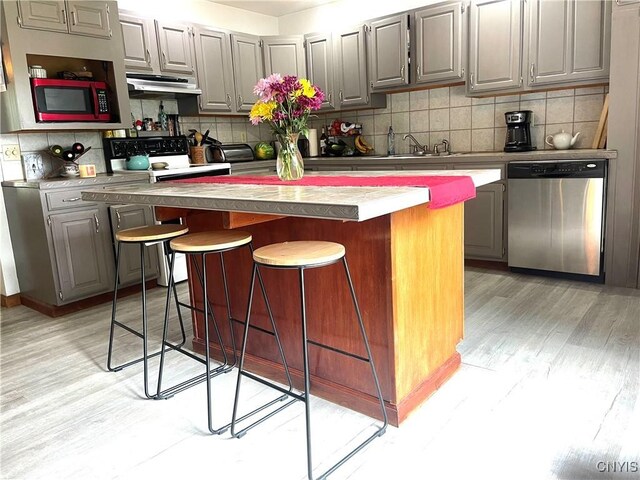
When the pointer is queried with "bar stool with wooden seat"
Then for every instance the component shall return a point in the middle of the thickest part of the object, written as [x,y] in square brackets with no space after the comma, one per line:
[303,255]
[199,245]
[144,237]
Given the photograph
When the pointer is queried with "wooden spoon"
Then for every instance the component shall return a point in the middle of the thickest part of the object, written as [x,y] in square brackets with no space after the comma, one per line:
[198,137]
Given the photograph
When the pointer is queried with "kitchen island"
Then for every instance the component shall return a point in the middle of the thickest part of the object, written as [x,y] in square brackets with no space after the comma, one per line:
[406,262]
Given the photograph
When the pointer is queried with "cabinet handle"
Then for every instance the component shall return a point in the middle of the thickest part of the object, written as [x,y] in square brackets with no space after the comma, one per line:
[402,73]
[95,217]
[164,59]
[148,57]
[371,85]
[228,100]
[329,97]
[74,199]
[239,101]
[73,17]
[532,71]
[118,220]
[418,70]
[64,16]
[340,96]
[471,81]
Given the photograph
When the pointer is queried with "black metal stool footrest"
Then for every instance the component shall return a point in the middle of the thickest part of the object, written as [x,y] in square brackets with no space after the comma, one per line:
[171,391]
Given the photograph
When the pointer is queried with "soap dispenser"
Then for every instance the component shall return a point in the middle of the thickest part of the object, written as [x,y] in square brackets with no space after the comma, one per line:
[391,141]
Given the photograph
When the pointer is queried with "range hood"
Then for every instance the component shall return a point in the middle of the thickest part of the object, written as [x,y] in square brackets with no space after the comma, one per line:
[160,86]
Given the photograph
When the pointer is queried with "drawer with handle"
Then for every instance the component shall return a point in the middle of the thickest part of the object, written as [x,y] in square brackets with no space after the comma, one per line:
[66,199]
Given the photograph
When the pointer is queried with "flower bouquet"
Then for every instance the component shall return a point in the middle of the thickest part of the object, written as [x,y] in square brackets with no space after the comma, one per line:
[285,104]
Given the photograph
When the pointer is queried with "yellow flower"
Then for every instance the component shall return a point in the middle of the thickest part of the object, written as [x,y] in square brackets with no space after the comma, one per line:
[307,88]
[262,110]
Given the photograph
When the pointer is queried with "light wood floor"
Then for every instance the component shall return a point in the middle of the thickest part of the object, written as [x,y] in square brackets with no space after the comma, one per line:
[548,388]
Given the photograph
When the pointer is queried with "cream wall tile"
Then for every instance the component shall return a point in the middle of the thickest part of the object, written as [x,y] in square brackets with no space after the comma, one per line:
[457,97]
[380,144]
[439,98]
[437,137]
[419,100]
[537,137]
[136,108]
[587,107]
[89,139]
[561,93]
[483,101]
[367,124]
[460,118]
[9,139]
[501,109]
[386,109]
[170,106]
[482,116]
[33,142]
[65,140]
[499,138]
[12,170]
[225,134]
[587,133]
[559,110]
[589,90]
[508,98]
[400,122]
[185,127]
[460,140]
[482,140]
[364,113]
[150,109]
[439,119]
[381,123]
[399,102]
[419,121]
[238,132]
[402,146]
[350,117]
[422,138]
[552,129]
[539,109]
[533,96]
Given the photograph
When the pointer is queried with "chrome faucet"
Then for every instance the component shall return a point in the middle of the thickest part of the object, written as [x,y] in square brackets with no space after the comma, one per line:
[445,144]
[417,148]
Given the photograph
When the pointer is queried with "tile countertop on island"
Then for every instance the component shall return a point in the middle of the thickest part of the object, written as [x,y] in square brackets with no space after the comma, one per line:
[102,179]
[334,203]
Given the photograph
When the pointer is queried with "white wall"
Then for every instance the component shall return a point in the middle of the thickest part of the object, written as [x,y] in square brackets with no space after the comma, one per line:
[343,13]
[204,12]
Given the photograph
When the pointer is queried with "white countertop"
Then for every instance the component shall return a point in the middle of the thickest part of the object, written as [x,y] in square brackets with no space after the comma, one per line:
[335,203]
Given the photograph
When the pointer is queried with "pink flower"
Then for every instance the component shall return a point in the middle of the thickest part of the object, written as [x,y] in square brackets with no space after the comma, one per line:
[265,86]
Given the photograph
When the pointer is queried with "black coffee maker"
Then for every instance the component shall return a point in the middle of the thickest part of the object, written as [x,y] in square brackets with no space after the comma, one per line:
[518,131]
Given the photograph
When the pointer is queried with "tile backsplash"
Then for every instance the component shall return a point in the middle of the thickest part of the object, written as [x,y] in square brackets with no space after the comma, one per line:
[469,124]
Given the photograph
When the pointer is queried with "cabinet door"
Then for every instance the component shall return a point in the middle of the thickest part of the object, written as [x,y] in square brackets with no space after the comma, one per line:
[43,15]
[388,52]
[140,46]
[495,45]
[569,41]
[440,39]
[83,253]
[247,69]
[130,216]
[320,66]
[484,223]
[89,18]
[351,67]
[284,55]
[174,44]
[215,74]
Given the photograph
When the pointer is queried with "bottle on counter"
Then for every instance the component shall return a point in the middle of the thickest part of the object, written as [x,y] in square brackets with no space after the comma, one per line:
[162,118]
[391,141]
[323,143]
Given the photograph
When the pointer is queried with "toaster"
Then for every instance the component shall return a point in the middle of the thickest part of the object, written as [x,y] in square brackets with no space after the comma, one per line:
[229,153]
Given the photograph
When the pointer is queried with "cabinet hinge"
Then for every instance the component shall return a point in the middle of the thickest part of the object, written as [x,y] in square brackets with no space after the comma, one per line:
[60,295]
[367,28]
[107,5]
[463,7]
[504,252]
[49,221]
[19,20]
[260,43]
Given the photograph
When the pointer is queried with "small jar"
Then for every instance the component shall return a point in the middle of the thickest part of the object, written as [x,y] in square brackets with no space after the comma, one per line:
[36,71]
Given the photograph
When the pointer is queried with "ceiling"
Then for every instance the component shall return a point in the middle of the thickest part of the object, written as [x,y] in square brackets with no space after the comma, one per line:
[273,8]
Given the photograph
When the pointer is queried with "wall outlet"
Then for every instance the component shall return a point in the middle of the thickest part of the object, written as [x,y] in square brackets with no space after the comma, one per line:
[11,152]
[33,166]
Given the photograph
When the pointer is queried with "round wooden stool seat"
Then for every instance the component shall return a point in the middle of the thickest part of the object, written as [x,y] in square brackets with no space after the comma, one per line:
[210,241]
[299,254]
[151,233]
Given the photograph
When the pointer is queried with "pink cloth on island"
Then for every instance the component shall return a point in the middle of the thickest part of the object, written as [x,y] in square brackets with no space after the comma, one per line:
[445,189]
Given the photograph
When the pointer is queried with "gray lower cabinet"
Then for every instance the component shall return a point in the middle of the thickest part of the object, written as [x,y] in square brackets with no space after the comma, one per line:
[388,47]
[440,41]
[568,41]
[320,66]
[484,223]
[215,70]
[247,69]
[495,45]
[284,55]
[351,67]
[130,216]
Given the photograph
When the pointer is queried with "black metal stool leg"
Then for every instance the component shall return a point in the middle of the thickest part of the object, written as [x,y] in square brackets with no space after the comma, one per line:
[165,328]
[228,303]
[145,350]
[307,382]
[113,313]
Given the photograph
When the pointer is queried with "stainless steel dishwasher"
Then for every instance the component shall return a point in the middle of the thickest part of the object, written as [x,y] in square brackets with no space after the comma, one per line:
[556,218]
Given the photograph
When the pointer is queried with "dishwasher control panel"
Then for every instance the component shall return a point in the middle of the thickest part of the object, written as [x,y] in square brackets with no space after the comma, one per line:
[577,169]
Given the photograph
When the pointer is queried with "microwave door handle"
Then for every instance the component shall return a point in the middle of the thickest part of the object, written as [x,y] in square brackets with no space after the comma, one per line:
[96,108]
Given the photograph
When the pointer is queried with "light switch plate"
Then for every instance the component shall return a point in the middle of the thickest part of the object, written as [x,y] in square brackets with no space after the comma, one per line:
[33,166]
[11,152]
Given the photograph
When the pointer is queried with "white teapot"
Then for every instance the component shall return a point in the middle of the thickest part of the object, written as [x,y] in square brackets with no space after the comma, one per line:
[562,140]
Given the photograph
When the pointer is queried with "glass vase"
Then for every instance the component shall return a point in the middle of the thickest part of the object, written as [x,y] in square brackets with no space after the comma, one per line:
[289,165]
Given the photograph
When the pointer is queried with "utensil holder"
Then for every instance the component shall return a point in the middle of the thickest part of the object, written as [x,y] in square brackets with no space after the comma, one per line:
[197,154]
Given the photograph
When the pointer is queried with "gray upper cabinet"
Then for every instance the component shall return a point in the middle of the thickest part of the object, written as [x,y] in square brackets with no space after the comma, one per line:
[319,53]
[284,55]
[569,41]
[440,33]
[351,67]
[71,16]
[175,46]
[247,69]
[140,46]
[495,45]
[388,46]
[215,70]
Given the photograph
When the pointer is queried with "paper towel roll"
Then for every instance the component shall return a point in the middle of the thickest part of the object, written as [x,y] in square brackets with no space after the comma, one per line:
[313,142]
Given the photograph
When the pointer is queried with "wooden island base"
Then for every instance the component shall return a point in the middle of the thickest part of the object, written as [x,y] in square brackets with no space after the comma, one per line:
[407,268]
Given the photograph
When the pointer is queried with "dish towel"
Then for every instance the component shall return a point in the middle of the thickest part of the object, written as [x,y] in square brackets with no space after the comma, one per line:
[445,190]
